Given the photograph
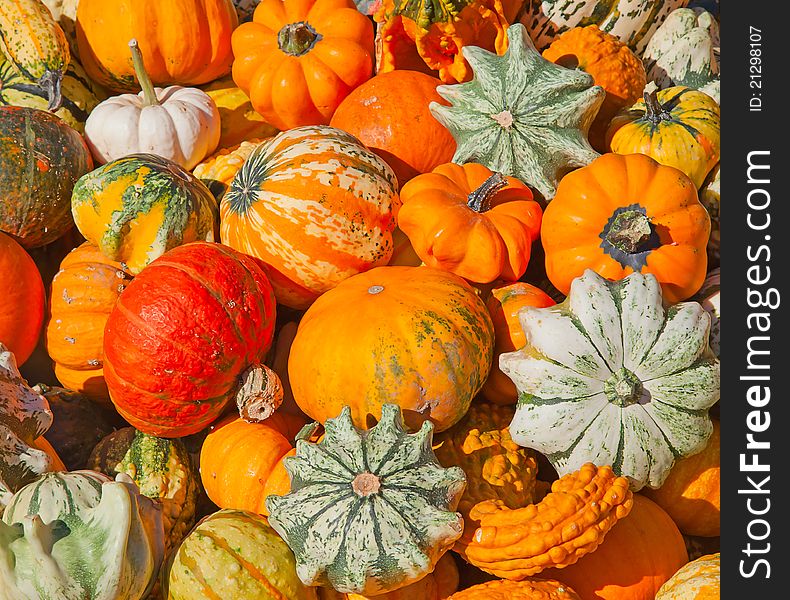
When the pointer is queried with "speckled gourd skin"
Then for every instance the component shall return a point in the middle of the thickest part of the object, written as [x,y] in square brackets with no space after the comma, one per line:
[527,589]
[699,579]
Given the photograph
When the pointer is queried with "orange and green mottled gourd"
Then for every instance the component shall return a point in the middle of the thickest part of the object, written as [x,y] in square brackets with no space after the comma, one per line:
[503,305]
[699,579]
[678,126]
[611,63]
[139,206]
[316,206]
[639,554]
[626,213]
[526,589]
[184,42]
[83,293]
[417,336]
[496,467]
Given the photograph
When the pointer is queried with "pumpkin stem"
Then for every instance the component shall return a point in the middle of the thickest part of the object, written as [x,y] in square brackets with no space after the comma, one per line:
[366,484]
[623,388]
[259,395]
[50,82]
[480,200]
[504,119]
[298,38]
[654,112]
[629,231]
[149,95]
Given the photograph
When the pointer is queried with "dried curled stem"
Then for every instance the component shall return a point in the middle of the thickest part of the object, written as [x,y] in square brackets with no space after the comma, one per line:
[260,394]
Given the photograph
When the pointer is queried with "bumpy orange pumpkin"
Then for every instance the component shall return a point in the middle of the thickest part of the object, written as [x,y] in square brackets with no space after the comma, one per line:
[626,213]
[638,555]
[298,59]
[503,305]
[22,305]
[184,42]
[613,66]
[691,495]
[415,336]
[527,589]
[470,221]
[84,292]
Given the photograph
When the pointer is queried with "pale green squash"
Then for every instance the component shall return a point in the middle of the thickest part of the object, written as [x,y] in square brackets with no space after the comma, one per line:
[521,115]
[80,536]
[369,511]
[709,296]
[612,377]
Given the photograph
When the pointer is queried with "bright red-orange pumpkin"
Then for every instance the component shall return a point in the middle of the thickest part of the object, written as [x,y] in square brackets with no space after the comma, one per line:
[182,333]
[22,305]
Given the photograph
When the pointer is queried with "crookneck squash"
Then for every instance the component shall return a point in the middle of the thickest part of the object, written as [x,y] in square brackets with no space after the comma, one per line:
[611,376]
[505,119]
[138,207]
[623,214]
[699,579]
[415,336]
[368,511]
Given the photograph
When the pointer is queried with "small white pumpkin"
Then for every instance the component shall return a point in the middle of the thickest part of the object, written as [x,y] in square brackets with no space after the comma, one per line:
[178,123]
[613,377]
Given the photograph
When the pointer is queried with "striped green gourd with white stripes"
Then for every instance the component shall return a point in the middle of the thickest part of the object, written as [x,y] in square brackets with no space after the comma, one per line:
[80,535]
[613,377]
[369,511]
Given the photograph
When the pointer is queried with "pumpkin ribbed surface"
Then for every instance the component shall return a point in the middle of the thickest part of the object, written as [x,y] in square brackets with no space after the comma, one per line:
[697,580]
[171,366]
[527,589]
[415,336]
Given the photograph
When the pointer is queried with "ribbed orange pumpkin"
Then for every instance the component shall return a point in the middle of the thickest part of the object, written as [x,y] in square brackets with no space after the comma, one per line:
[22,305]
[637,556]
[503,305]
[415,336]
[184,42]
[83,294]
[526,589]
[691,495]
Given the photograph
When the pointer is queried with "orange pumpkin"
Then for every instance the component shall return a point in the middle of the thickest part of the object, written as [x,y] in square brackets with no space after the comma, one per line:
[640,553]
[526,589]
[22,306]
[503,305]
[238,458]
[42,443]
[414,336]
[626,213]
[298,59]
[389,114]
[470,221]
[184,42]
[691,495]
[84,292]
[613,66]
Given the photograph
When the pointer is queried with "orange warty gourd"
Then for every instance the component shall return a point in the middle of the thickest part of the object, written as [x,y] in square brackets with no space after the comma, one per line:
[22,306]
[526,589]
[626,213]
[298,59]
[637,556]
[83,294]
[613,66]
[504,304]
[470,221]
[184,42]
[389,114]
[691,494]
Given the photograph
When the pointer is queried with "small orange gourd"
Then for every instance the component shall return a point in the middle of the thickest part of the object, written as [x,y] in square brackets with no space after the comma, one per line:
[526,589]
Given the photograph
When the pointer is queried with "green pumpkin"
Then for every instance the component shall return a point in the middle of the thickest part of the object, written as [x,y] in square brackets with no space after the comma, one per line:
[139,206]
[521,115]
[611,376]
[232,555]
[80,536]
[683,51]
[369,511]
[161,468]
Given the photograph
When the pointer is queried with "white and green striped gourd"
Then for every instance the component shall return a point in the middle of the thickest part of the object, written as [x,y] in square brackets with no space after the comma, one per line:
[80,536]
[613,377]
[369,511]
[709,296]
[684,50]
[521,115]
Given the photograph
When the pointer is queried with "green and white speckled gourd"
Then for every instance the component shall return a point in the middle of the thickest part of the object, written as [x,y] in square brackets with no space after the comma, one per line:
[633,22]
[80,536]
[709,296]
[24,416]
[684,50]
[369,511]
[521,115]
[613,377]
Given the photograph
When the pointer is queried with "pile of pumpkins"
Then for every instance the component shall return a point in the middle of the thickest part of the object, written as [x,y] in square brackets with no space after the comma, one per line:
[337,299]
